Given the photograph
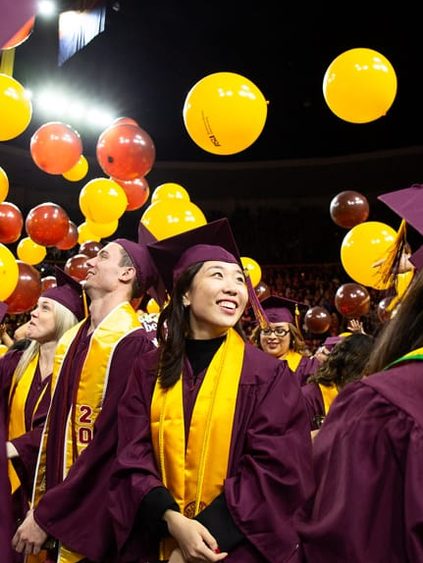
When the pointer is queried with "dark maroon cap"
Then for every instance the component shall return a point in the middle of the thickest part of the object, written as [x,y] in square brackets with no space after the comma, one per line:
[332,341]
[3,310]
[408,204]
[281,309]
[68,293]
[417,258]
[213,241]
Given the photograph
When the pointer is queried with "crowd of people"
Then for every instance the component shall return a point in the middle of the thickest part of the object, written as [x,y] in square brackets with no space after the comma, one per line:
[220,434]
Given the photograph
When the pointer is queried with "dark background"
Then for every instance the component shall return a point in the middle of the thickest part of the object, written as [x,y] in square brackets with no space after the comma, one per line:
[278,191]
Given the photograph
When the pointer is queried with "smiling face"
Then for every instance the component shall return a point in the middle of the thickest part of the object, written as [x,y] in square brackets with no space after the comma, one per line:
[275,344]
[104,270]
[217,298]
[42,326]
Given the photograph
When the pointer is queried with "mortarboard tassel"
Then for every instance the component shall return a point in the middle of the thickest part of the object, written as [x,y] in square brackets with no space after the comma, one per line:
[255,303]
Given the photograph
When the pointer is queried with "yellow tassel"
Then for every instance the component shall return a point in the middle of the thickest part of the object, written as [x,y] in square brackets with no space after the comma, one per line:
[389,268]
[85,303]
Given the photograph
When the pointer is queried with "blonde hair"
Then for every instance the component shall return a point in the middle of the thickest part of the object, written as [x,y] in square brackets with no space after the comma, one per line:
[64,320]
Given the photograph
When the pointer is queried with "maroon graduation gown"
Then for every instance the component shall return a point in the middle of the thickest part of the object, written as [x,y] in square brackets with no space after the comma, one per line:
[314,404]
[306,367]
[27,444]
[6,519]
[74,510]
[269,472]
[368,504]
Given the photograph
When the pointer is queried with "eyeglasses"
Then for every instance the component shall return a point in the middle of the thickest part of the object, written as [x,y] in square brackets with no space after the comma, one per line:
[278,331]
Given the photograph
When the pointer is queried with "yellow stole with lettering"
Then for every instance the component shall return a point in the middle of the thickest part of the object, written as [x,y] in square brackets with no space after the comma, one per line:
[329,394]
[292,358]
[195,472]
[18,395]
[89,397]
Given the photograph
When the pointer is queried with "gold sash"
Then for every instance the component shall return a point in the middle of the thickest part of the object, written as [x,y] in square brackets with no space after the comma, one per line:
[195,475]
[329,394]
[18,395]
[293,359]
[90,395]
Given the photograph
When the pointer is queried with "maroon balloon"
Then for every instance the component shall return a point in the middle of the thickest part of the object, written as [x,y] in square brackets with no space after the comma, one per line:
[262,290]
[137,192]
[317,320]
[90,248]
[352,300]
[11,222]
[349,208]
[28,290]
[382,313]
[47,224]
[71,238]
[76,267]
[48,282]
[125,152]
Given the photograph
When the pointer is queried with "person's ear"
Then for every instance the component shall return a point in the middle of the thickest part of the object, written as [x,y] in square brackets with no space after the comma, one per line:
[185,301]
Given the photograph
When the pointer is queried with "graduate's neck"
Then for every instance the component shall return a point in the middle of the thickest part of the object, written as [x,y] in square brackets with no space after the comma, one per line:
[101,306]
[45,362]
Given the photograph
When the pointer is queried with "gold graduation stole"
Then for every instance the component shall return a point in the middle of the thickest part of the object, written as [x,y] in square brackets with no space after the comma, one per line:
[195,472]
[329,394]
[90,395]
[18,395]
[293,359]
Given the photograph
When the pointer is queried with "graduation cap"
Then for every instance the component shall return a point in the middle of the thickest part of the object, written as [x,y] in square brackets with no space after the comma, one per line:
[417,258]
[146,271]
[213,241]
[408,204]
[283,310]
[68,293]
[3,310]
[332,341]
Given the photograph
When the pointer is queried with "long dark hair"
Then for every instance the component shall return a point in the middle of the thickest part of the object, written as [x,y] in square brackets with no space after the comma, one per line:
[403,333]
[346,362]
[173,328]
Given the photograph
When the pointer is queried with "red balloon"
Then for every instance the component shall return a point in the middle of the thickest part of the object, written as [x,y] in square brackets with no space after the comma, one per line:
[76,266]
[26,293]
[349,208]
[21,35]
[55,147]
[47,224]
[48,282]
[317,320]
[137,192]
[262,290]
[11,222]
[125,152]
[125,121]
[71,238]
[352,300]
[382,313]
[90,248]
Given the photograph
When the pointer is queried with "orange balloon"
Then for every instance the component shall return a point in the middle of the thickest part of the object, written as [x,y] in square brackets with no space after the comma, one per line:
[47,224]
[55,147]
[70,239]
[27,291]
[11,222]
[137,192]
[21,35]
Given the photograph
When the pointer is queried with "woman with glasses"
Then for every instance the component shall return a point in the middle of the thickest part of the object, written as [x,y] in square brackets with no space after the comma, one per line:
[282,337]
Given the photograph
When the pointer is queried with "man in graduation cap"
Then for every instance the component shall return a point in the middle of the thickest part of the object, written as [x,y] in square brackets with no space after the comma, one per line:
[92,364]
[282,337]
[214,450]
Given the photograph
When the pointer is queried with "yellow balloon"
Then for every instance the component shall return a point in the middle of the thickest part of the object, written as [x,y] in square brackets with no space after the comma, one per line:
[168,217]
[9,273]
[102,200]
[4,185]
[30,252]
[253,269]
[153,307]
[15,108]
[224,113]
[169,190]
[103,229]
[78,171]
[3,349]
[85,234]
[363,246]
[360,85]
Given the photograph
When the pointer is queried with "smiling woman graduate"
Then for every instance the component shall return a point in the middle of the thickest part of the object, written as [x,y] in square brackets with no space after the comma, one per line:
[214,450]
